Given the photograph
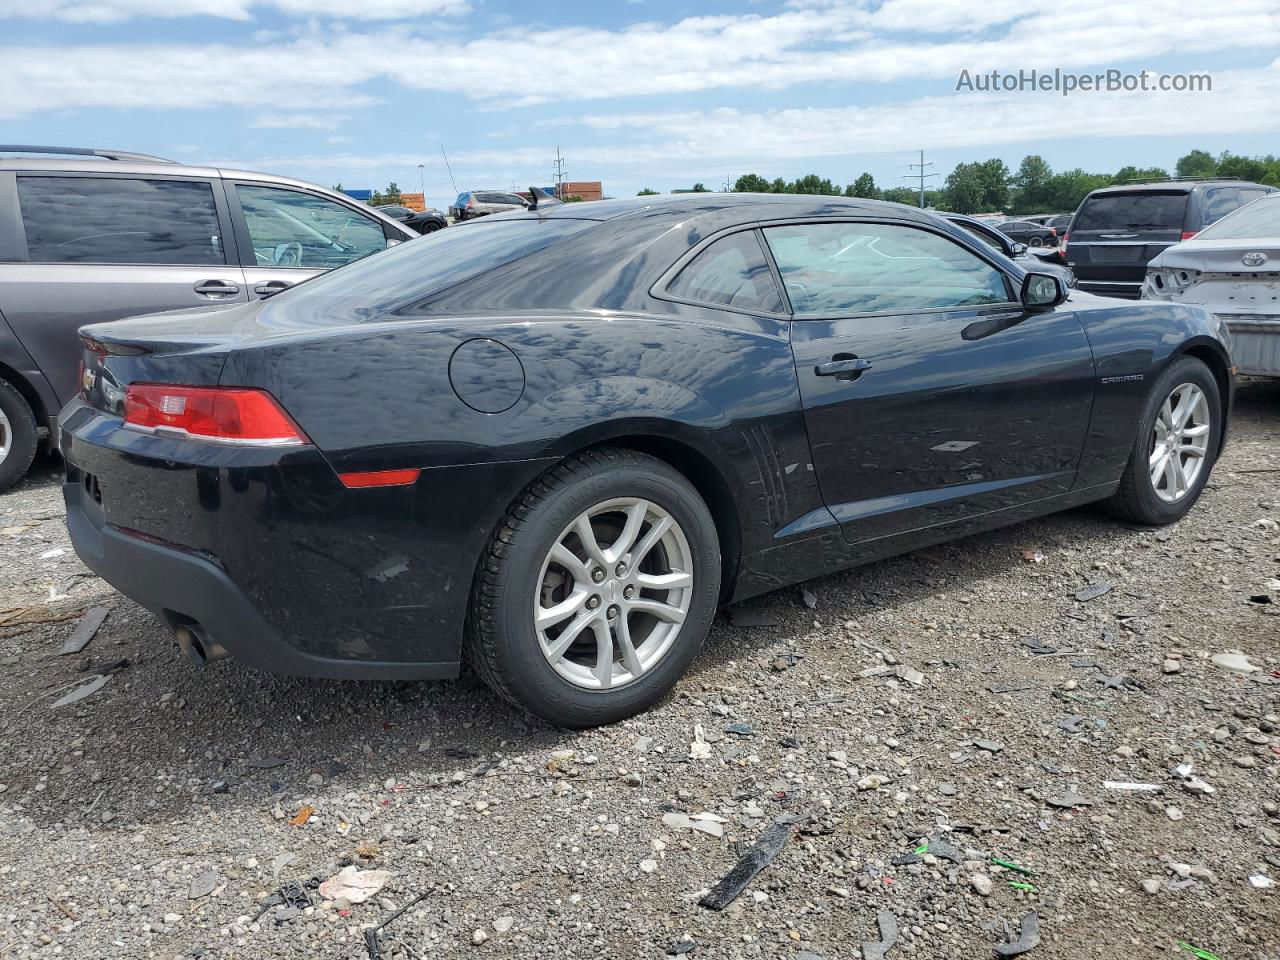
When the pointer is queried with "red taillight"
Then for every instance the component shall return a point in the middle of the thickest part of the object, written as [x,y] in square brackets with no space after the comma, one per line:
[1188,234]
[1062,247]
[470,203]
[380,478]
[219,414]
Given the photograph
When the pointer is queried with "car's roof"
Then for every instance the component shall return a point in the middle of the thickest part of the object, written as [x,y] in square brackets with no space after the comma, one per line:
[777,205]
[160,168]
[1177,186]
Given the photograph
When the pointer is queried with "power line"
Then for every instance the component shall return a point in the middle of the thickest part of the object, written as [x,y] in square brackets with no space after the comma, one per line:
[922,167]
[449,168]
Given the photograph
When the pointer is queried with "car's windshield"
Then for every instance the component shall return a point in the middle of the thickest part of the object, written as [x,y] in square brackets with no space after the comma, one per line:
[410,271]
[1254,221]
[1141,210]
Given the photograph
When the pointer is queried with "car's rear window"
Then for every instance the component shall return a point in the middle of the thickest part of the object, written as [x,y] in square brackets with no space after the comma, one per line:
[1259,220]
[417,268]
[1136,211]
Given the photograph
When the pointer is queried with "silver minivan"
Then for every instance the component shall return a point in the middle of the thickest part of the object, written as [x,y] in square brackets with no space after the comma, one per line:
[95,235]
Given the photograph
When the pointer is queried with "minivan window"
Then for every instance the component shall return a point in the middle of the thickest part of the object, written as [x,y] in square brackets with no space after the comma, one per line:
[1254,221]
[732,272]
[1219,202]
[119,220]
[289,228]
[1140,210]
[407,273]
[848,268]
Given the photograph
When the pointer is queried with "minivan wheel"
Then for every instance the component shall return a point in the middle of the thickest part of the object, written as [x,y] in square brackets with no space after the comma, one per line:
[1177,443]
[597,589]
[17,435]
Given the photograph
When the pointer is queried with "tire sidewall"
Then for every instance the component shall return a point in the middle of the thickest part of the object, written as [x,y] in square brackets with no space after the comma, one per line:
[541,689]
[22,423]
[1182,370]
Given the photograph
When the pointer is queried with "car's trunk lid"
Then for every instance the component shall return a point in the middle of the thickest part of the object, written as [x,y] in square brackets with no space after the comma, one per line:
[1115,235]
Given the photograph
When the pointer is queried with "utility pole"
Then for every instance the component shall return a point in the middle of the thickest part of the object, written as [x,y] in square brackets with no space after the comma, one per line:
[560,181]
[449,168]
[921,175]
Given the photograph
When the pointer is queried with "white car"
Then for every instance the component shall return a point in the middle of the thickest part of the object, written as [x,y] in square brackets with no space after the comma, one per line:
[1232,268]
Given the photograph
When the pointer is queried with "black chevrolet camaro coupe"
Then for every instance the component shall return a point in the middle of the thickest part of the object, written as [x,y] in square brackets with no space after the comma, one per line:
[553,442]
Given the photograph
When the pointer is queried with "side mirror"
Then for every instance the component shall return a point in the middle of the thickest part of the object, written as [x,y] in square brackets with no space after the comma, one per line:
[1017,249]
[1042,291]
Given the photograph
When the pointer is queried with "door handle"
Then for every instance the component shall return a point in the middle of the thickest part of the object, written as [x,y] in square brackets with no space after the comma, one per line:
[216,288]
[270,287]
[843,368]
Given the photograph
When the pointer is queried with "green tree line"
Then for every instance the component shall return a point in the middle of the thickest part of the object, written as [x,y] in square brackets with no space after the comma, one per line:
[989,185]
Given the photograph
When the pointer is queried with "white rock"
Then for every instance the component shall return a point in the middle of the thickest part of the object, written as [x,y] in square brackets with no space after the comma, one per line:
[504,924]
[981,883]
[649,866]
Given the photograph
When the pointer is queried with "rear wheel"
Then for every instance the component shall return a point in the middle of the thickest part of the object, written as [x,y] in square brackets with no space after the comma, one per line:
[596,591]
[17,435]
[1177,442]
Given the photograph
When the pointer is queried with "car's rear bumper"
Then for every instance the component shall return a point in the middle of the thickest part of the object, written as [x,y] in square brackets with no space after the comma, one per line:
[1110,288]
[273,558]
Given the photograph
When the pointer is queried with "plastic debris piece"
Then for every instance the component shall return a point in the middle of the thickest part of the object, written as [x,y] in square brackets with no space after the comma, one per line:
[1198,952]
[1235,662]
[745,617]
[1072,723]
[699,749]
[740,729]
[281,861]
[1038,646]
[810,598]
[908,674]
[1023,886]
[681,947]
[302,816]
[354,885]
[770,844]
[372,935]
[1029,938]
[1093,591]
[81,692]
[1032,556]
[85,630]
[1261,881]
[888,924]
[1126,785]
[940,848]
[1009,865]
[708,823]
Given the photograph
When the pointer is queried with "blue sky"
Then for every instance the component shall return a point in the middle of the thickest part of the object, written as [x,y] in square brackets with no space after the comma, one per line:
[650,93]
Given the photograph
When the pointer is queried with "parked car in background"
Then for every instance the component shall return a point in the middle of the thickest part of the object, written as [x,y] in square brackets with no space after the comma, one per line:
[554,442]
[1028,232]
[1059,222]
[1232,268]
[1018,252]
[419,221]
[1041,218]
[1118,230]
[93,235]
[480,203]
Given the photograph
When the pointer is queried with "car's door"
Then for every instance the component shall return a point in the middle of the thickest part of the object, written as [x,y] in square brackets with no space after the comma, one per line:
[288,234]
[930,394]
[103,246]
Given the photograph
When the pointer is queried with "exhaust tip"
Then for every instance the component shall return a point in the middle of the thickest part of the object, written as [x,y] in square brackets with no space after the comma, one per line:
[199,649]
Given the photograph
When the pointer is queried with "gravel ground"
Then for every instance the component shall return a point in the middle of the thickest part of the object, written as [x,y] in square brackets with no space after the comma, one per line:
[155,817]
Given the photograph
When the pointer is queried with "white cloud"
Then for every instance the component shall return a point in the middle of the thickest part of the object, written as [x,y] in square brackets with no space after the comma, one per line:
[115,11]
[299,121]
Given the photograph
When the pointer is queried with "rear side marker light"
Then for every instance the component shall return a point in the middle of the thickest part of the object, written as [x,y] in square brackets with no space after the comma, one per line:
[232,415]
[380,478]
[1188,234]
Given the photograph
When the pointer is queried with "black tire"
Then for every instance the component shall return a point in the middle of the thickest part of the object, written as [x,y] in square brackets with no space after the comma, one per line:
[502,645]
[21,437]
[1137,500]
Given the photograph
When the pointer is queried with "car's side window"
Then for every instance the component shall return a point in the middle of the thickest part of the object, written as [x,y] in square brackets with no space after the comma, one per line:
[119,220]
[731,272]
[846,268]
[289,228]
[1218,203]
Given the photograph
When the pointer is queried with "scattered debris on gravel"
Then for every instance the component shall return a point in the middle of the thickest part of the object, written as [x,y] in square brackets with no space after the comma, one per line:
[1058,740]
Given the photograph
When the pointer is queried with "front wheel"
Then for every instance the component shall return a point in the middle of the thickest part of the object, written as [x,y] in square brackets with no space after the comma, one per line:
[596,591]
[1178,439]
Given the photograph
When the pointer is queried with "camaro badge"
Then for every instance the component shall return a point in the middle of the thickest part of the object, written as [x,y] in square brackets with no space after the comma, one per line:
[1255,258]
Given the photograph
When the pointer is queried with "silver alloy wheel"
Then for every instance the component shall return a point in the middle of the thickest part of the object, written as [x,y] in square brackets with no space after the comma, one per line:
[1179,442]
[613,593]
[6,437]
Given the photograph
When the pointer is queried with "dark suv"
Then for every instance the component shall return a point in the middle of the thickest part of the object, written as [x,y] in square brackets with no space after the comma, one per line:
[94,235]
[1118,230]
